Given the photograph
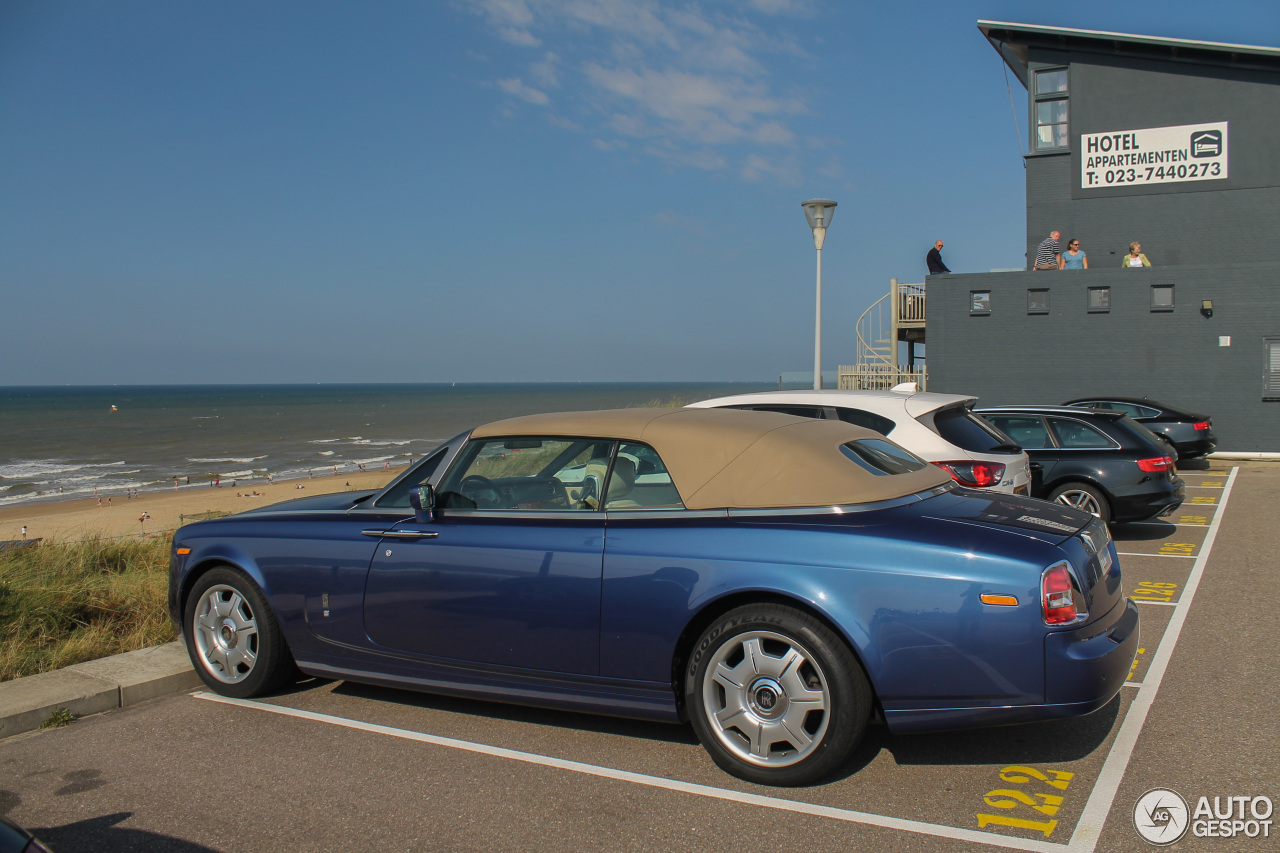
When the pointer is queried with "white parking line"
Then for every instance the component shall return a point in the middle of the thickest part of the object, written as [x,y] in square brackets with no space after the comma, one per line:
[1089,828]
[1161,603]
[657,781]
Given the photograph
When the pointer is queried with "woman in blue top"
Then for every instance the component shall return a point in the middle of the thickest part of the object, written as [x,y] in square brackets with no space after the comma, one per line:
[1073,258]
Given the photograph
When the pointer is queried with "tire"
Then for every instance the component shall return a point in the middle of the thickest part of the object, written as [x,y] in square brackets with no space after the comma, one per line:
[1085,497]
[232,637]
[801,698]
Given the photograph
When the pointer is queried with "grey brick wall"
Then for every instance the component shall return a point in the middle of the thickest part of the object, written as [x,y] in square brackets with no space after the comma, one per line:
[1012,357]
[1199,222]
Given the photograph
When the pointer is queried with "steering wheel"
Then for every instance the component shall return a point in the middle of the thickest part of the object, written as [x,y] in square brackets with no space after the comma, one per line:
[481,490]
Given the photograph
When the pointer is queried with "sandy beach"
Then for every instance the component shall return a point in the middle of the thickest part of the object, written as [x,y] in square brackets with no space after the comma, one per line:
[65,521]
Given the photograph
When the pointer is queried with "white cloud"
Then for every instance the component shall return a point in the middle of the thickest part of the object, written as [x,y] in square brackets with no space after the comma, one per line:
[692,79]
[515,86]
[784,171]
[545,72]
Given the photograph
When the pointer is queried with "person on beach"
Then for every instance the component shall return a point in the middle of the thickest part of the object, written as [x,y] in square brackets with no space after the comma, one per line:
[24,531]
[934,259]
[99,499]
[1047,252]
[1073,258]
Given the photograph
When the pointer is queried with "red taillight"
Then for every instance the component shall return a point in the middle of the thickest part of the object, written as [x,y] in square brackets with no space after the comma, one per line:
[1156,464]
[973,474]
[1055,595]
[1201,425]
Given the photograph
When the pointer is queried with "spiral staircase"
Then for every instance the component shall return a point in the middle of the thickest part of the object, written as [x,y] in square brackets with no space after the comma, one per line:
[895,319]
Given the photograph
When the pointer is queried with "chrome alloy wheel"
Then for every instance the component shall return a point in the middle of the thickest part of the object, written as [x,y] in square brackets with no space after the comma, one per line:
[1080,499]
[226,634]
[766,699]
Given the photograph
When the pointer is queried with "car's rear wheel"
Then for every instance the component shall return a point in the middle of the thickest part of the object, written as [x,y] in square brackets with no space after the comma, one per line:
[775,696]
[1085,497]
[233,638]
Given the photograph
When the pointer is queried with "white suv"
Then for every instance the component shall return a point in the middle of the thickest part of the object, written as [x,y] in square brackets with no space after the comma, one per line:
[939,428]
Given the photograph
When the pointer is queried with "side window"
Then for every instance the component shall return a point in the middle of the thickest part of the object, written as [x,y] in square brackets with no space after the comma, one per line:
[399,496]
[867,420]
[640,480]
[1128,408]
[1093,404]
[527,474]
[1027,431]
[799,411]
[882,458]
[1075,434]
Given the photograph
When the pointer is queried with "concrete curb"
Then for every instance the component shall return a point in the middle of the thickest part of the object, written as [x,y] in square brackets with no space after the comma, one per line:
[95,686]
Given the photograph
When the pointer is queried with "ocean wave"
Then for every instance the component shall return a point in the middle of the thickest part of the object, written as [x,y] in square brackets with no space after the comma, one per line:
[325,440]
[325,453]
[44,467]
[241,460]
[371,460]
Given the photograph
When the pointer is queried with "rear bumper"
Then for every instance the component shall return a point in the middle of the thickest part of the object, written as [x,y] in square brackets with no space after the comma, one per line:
[1196,449]
[1084,670]
[1148,500]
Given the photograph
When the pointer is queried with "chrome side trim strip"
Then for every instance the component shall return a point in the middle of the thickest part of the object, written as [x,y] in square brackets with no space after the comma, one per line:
[401,534]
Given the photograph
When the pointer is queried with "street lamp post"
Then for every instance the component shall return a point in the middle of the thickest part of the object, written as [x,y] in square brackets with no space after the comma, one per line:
[819,212]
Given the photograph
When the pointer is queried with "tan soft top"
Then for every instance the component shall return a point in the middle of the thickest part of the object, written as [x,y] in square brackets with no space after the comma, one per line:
[725,458]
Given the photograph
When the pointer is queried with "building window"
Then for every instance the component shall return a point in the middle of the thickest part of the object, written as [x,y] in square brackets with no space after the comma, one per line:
[1050,111]
[1038,300]
[1271,369]
[980,302]
[1099,300]
[1162,297]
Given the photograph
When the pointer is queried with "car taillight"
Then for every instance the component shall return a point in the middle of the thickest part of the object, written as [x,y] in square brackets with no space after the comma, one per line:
[1055,595]
[974,474]
[1201,425]
[1155,465]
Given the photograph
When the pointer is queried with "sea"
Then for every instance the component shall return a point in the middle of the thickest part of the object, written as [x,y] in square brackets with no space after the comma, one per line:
[60,443]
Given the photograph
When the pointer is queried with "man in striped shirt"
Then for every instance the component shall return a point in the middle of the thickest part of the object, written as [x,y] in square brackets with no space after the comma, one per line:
[1047,253]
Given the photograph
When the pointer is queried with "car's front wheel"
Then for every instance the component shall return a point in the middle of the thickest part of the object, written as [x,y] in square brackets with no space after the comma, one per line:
[1085,497]
[775,696]
[232,637]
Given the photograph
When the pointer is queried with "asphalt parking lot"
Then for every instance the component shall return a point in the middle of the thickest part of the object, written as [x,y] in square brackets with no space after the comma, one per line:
[338,766]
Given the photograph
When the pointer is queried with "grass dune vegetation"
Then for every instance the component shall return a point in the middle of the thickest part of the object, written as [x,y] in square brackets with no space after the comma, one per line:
[64,603]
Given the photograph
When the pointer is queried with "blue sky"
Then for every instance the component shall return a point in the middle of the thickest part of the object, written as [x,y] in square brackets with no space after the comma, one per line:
[499,190]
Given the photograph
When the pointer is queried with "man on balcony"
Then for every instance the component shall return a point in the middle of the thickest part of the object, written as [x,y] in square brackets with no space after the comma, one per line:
[934,259]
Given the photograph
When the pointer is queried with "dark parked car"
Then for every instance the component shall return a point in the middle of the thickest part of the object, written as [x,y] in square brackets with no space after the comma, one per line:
[772,579]
[1093,459]
[1191,434]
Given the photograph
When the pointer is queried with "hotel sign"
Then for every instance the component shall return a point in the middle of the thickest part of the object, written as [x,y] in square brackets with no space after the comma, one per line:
[1153,155]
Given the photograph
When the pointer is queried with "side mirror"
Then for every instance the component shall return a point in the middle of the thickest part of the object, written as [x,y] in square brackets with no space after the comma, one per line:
[423,501]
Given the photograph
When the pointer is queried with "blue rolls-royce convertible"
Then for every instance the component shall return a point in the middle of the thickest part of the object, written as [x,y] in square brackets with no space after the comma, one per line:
[776,581]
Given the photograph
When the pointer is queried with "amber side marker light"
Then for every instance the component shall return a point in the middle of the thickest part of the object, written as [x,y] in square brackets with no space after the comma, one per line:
[182,552]
[1006,600]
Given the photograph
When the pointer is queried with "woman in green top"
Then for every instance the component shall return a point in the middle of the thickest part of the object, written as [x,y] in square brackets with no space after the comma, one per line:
[1135,258]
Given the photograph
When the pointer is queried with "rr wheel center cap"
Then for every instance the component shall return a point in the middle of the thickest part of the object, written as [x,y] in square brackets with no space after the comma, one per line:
[767,699]
[227,634]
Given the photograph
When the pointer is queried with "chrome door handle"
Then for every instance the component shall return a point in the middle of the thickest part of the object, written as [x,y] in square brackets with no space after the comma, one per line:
[402,534]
